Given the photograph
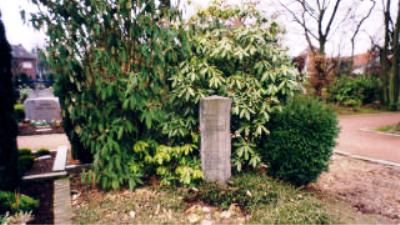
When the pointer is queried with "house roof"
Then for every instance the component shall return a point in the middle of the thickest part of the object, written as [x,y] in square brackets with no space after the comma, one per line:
[19,52]
[364,59]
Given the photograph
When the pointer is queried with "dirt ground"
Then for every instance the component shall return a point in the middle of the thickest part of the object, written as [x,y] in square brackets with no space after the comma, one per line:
[372,189]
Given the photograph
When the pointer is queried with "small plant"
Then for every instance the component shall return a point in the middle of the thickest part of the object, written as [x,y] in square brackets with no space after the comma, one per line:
[18,218]
[39,123]
[19,112]
[25,163]
[301,141]
[16,202]
[24,151]
[42,152]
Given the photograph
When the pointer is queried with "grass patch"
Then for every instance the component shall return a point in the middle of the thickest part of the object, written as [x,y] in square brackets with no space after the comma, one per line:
[342,110]
[394,129]
[143,206]
[267,201]
[260,199]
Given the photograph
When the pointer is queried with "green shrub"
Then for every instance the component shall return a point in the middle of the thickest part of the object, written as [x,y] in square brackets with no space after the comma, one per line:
[301,141]
[15,202]
[42,152]
[355,91]
[19,112]
[130,102]
[24,151]
[244,63]
[25,163]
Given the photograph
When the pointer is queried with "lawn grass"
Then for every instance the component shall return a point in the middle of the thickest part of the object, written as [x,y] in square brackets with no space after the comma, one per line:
[394,129]
[260,198]
[341,110]
[268,201]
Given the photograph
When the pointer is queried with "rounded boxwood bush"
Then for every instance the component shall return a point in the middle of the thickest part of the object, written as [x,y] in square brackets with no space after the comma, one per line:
[301,141]
[42,152]
[24,151]
[25,163]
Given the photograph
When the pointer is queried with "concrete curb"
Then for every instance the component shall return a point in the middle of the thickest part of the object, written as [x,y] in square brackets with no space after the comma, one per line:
[368,159]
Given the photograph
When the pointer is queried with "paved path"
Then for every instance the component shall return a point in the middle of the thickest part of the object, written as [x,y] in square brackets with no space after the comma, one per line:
[49,141]
[369,144]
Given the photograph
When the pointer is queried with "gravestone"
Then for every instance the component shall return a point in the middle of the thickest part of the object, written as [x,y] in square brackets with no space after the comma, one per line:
[42,105]
[37,93]
[215,147]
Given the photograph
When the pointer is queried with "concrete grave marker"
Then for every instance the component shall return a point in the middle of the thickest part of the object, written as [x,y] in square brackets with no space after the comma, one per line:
[42,105]
[215,147]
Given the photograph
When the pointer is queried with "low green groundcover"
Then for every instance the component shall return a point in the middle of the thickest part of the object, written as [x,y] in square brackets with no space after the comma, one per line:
[261,199]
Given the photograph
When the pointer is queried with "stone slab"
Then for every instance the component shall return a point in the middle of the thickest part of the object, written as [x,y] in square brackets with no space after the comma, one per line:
[62,202]
[61,159]
[215,147]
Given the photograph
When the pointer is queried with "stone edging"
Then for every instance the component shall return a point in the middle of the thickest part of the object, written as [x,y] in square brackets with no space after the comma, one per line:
[379,132]
[62,208]
[45,176]
[368,159]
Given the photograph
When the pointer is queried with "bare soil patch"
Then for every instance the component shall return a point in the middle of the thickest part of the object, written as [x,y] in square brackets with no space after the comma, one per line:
[370,188]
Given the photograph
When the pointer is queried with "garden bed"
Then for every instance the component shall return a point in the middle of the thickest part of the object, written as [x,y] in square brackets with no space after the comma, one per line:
[352,192]
[42,165]
[43,191]
[156,204]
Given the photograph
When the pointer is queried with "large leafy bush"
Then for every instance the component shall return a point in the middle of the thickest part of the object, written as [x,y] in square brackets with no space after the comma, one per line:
[355,91]
[113,60]
[236,53]
[301,141]
[130,77]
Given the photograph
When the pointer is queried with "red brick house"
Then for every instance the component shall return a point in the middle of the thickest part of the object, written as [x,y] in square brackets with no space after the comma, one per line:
[23,62]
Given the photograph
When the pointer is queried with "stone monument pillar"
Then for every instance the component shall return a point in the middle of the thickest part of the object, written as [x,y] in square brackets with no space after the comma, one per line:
[215,147]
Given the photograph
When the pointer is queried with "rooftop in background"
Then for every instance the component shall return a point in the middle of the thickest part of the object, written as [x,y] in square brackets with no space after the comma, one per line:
[19,52]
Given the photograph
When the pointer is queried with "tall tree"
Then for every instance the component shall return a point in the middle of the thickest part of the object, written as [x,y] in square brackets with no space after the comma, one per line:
[319,19]
[8,125]
[390,56]
[316,20]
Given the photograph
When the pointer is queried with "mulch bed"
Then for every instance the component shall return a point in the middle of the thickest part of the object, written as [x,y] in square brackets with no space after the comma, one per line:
[42,166]
[42,191]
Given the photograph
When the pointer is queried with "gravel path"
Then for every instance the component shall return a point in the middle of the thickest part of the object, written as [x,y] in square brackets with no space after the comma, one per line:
[355,140]
[49,141]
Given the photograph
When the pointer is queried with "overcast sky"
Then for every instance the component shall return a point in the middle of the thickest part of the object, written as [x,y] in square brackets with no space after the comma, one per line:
[20,33]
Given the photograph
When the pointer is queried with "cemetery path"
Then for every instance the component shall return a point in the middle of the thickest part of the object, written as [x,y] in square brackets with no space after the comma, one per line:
[49,141]
[357,136]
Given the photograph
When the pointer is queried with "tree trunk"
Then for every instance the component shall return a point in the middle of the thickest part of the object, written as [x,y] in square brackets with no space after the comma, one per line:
[8,127]
[394,73]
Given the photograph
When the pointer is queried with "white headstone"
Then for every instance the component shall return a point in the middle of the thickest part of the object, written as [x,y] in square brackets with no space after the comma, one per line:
[42,108]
